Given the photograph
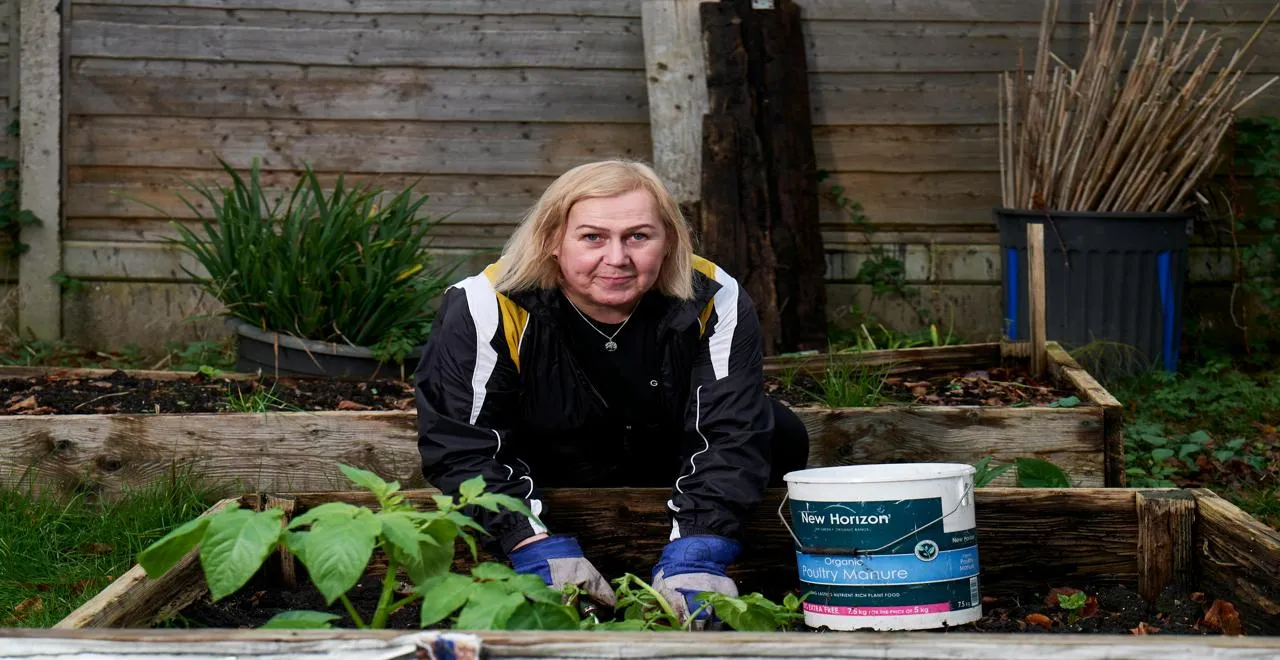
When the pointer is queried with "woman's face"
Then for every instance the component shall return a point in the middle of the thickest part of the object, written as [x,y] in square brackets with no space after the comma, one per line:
[611,253]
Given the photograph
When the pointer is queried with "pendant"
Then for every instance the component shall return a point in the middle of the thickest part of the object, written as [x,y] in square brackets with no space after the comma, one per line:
[610,346]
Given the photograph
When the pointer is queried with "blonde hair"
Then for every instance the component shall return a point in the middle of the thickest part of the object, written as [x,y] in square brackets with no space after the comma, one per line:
[527,262]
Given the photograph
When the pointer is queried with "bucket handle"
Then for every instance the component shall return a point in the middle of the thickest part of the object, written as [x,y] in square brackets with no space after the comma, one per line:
[964,496]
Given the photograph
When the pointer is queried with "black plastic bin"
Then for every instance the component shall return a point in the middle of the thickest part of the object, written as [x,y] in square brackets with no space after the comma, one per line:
[1116,277]
[275,354]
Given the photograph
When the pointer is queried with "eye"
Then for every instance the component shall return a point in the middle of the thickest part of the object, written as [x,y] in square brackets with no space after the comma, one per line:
[639,236]
[591,238]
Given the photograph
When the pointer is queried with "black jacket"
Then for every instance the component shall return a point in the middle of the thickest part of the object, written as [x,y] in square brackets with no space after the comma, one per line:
[499,394]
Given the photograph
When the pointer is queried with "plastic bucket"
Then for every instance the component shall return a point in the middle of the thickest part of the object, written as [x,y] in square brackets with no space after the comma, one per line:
[886,547]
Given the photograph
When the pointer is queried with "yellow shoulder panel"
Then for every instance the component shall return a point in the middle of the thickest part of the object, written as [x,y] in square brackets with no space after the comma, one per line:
[514,317]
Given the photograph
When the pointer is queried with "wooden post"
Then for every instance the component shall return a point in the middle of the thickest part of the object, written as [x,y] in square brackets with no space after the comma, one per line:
[1165,524]
[676,71]
[286,503]
[1035,296]
[40,121]
[733,225]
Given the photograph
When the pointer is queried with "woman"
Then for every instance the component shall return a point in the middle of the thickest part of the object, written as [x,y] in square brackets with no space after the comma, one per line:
[600,351]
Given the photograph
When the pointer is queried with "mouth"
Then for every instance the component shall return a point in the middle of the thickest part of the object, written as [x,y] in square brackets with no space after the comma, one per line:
[615,279]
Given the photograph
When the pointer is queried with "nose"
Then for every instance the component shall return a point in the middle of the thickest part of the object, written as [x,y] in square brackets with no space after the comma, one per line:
[616,254]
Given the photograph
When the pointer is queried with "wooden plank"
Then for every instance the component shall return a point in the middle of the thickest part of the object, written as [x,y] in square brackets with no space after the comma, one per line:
[922,200]
[1036,295]
[1065,368]
[402,147]
[1238,559]
[942,98]
[40,115]
[902,361]
[965,312]
[622,8]
[1016,11]
[151,193]
[677,84]
[1165,556]
[274,451]
[906,148]
[983,46]
[136,601]
[1072,438]
[289,91]
[584,42]
[386,644]
[288,505]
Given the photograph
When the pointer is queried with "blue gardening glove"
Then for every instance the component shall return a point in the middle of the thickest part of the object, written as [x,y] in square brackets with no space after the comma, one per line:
[691,565]
[558,561]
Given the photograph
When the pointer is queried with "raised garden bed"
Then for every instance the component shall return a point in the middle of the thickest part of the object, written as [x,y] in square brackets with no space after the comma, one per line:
[1147,546]
[99,431]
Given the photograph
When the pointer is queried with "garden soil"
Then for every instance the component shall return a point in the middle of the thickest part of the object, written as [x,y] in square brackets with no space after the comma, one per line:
[123,393]
[1110,610]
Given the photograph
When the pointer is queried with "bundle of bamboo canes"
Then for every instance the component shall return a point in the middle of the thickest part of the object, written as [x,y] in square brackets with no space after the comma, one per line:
[1113,134]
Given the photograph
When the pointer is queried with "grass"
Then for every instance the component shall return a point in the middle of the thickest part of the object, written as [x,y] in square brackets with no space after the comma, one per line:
[56,554]
[257,400]
[877,337]
[850,386]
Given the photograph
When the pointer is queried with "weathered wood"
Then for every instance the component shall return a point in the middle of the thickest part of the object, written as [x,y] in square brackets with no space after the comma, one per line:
[623,8]
[1238,559]
[1066,369]
[1166,521]
[1017,11]
[288,505]
[397,645]
[675,68]
[273,451]
[733,223]
[532,40]
[965,311]
[786,130]
[942,98]
[40,170]
[906,360]
[157,313]
[403,147]
[134,600]
[1036,296]
[106,86]
[1072,438]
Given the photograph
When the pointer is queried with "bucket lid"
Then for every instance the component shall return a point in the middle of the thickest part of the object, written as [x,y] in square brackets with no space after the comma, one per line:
[880,473]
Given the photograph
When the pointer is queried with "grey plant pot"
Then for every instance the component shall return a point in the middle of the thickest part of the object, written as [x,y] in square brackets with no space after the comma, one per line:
[280,354]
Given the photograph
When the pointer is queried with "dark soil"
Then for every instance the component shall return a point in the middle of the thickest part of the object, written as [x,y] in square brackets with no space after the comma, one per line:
[997,386]
[1110,610]
[122,393]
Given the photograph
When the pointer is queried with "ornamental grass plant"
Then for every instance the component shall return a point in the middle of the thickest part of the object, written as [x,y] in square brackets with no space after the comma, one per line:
[347,265]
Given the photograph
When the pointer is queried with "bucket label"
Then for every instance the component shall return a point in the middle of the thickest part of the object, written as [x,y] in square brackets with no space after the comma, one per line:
[883,558]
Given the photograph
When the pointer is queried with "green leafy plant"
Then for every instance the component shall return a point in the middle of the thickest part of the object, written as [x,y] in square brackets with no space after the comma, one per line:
[643,608]
[1073,604]
[344,265]
[257,400]
[1029,473]
[12,216]
[847,385]
[1255,219]
[336,540]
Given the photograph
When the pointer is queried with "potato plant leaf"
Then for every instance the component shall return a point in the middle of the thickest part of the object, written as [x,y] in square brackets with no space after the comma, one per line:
[300,620]
[337,552]
[160,556]
[542,616]
[442,595]
[488,608]
[1039,473]
[235,545]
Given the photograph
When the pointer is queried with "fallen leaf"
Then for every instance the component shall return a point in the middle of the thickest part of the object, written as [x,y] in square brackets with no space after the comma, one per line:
[919,391]
[404,404]
[1144,629]
[990,600]
[29,607]
[1090,608]
[102,384]
[1222,616]
[42,410]
[1197,596]
[25,404]
[1041,620]
[96,548]
[351,405]
[1051,599]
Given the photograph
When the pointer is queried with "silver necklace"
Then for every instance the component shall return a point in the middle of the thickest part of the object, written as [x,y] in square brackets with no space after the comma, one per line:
[609,344]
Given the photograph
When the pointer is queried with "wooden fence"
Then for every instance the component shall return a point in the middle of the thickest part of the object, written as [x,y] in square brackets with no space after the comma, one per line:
[483,102]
